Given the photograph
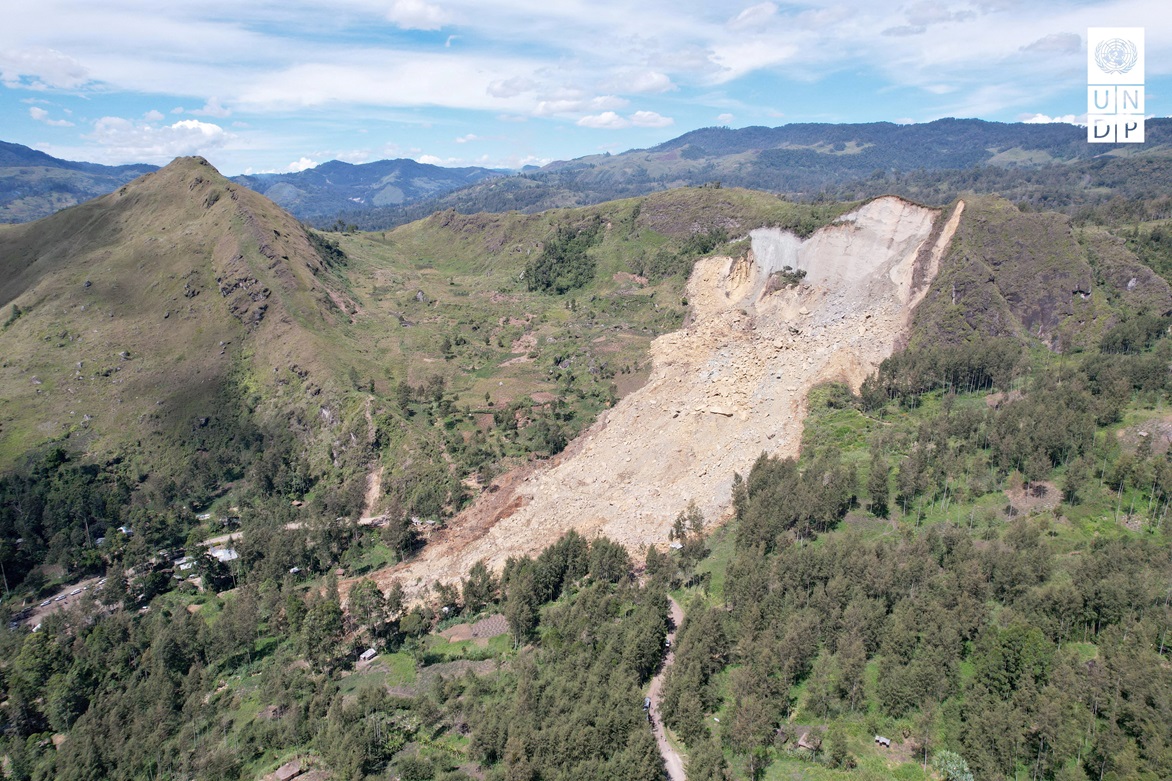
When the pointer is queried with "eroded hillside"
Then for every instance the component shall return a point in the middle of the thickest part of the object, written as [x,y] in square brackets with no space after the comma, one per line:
[730,385]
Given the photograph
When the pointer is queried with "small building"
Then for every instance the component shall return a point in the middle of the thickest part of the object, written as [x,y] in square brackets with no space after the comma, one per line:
[224,555]
[882,741]
[367,655]
[810,742]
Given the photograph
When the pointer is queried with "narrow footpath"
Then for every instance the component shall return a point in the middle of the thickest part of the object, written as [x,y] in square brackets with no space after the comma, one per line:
[672,761]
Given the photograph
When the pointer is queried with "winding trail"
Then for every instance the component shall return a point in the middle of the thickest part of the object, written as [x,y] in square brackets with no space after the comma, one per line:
[672,761]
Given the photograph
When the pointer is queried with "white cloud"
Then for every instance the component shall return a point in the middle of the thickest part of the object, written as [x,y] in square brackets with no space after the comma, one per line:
[373,77]
[753,16]
[514,55]
[605,103]
[521,162]
[1042,119]
[466,139]
[511,88]
[1056,43]
[41,68]
[212,109]
[153,116]
[354,156]
[607,120]
[300,165]
[650,119]
[124,140]
[40,115]
[739,58]
[933,12]
[429,160]
[642,82]
[724,119]
[417,15]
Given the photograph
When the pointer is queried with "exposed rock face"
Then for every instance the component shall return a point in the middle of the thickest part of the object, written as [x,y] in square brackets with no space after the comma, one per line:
[729,386]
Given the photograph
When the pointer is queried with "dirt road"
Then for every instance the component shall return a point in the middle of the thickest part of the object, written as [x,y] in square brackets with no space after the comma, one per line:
[672,761]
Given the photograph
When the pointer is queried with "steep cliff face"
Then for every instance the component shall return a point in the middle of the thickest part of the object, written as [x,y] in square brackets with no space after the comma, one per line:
[727,387]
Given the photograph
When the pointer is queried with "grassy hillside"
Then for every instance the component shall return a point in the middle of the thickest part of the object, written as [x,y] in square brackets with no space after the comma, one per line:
[194,344]
[136,315]
[1034,275]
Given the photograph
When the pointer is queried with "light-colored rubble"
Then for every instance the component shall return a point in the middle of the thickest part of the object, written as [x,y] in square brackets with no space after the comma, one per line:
[730,385]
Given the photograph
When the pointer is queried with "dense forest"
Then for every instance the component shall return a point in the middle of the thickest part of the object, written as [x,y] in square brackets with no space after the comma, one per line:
[884,584]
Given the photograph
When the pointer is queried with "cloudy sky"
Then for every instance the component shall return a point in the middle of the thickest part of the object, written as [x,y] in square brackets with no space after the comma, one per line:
[280,85]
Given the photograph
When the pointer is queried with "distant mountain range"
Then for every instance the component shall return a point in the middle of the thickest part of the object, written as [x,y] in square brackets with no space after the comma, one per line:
[1026,162]
[320,194]
[34,184]
[809,161]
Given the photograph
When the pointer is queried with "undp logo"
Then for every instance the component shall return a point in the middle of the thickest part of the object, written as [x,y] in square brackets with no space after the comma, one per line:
[1115,85]
[1116,55]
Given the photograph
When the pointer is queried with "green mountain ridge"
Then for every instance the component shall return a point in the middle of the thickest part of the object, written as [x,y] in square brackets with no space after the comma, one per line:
[1050,166]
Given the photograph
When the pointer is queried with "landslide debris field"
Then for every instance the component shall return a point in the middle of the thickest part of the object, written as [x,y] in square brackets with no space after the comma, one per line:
[502,378]
[729,385]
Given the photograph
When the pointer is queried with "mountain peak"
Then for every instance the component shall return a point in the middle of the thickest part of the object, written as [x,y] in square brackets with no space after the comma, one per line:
[195,277]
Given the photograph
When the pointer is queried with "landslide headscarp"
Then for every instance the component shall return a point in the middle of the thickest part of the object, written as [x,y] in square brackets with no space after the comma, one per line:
[730,385]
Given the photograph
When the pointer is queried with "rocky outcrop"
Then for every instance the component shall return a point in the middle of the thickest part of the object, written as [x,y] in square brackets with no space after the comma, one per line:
[729,386]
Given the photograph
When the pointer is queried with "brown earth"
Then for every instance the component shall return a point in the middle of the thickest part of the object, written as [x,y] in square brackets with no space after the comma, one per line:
[730,385]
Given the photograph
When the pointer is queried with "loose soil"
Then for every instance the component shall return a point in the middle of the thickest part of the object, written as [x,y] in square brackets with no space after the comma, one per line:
[729,386]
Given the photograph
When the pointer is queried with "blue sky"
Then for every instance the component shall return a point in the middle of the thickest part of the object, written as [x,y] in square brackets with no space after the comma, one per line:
[268,85]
